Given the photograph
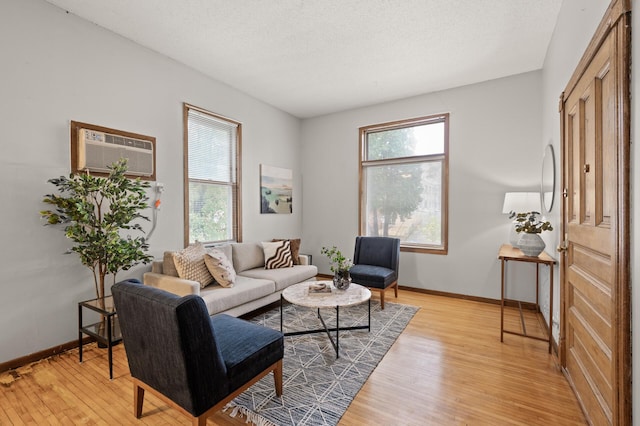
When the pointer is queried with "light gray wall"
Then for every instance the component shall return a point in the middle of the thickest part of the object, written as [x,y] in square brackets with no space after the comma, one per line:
[56,68]
[494,148]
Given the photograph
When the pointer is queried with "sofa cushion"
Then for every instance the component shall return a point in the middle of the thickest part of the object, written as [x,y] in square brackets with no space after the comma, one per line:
[168,265]
[220,267]
[224,248]
[277,255]
[295,248]
[247,256]
[156,267]
[190,264]
[219,299]
[283,277]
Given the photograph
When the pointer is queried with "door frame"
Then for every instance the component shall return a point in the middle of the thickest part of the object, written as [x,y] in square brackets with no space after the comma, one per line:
[616,18]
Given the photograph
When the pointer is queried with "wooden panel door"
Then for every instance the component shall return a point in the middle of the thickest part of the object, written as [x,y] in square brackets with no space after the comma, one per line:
[595,340]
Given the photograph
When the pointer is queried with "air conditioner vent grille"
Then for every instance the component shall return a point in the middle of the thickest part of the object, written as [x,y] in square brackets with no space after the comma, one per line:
[98,150]
[124,141]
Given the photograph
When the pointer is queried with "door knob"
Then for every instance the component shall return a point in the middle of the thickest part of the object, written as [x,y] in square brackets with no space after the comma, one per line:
[562,247]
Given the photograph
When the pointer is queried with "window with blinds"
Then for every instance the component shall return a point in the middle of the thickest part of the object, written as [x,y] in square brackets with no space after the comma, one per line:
[212,199]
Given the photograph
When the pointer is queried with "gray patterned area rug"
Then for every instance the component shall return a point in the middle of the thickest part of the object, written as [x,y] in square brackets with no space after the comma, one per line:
[317,387]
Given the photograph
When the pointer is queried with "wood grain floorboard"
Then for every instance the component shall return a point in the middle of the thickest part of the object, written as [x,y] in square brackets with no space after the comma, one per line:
[448,367]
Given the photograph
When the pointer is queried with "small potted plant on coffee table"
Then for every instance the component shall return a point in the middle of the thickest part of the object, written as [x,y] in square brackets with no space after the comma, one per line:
[340,266]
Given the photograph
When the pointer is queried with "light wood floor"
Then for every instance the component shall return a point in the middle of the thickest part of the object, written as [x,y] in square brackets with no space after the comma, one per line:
[447,368]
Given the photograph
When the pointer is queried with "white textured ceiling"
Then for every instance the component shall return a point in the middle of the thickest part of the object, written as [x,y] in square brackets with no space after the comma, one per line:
[313,57]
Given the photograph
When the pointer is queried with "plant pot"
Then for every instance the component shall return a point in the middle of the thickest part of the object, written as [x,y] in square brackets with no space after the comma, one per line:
[341,280]
[531,244]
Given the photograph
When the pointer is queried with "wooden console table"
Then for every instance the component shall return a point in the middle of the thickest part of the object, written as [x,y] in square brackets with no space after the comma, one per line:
[507,253]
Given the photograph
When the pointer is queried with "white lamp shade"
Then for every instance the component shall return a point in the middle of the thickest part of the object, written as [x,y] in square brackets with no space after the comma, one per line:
[521,202]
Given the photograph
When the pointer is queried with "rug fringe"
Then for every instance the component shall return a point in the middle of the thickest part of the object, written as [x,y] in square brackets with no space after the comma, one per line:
[238,410]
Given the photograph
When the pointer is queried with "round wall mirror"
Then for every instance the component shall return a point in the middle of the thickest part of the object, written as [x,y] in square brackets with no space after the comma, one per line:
[548,185]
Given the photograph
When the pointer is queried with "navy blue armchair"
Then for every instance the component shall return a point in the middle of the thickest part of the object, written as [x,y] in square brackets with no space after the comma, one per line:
[191,361]
[376,263]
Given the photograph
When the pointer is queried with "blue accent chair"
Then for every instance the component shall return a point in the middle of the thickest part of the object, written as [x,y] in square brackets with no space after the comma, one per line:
[191,361]
[376,263]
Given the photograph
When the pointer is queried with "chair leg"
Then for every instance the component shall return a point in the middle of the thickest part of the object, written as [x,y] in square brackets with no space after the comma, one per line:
[138,400]
[382,299]
[199,421]
[277,378]
[395,288]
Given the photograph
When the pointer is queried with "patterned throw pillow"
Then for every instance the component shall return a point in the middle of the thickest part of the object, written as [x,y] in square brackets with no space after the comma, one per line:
[295,248]
[277,255]
[220,267]
[190,264]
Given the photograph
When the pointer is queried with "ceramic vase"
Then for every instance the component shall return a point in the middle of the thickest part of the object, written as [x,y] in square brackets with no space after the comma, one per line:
[341,280]
[531,244]
[514,236]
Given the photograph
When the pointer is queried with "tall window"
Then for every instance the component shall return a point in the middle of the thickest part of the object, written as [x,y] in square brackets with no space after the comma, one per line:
[212,188]
[404,181]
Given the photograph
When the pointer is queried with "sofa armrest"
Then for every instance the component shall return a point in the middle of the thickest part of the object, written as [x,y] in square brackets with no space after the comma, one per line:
[305,259]
[174,285]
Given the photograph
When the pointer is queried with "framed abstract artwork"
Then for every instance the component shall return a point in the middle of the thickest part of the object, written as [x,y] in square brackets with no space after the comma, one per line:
[276,190]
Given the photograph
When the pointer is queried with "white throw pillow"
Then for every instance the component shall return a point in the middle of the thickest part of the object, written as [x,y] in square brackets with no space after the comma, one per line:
[190,264]
[220,267]
[277,255]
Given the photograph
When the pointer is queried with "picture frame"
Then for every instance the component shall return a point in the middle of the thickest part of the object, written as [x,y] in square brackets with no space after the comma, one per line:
[276,190]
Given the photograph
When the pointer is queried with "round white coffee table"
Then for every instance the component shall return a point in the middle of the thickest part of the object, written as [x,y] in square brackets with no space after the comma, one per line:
[298,294]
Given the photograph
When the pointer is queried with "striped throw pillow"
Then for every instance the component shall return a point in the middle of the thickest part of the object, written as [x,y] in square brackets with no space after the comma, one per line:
[277,255]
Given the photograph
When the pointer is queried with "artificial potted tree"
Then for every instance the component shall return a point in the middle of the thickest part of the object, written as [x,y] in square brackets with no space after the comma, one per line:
[95,211]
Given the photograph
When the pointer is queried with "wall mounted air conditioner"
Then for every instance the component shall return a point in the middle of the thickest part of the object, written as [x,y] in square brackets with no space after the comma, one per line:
[98,150]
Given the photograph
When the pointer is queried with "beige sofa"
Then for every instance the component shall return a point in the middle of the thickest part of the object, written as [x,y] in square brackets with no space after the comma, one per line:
[254,286]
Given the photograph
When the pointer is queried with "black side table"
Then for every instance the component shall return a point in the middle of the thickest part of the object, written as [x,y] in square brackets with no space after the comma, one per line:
[106,331]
